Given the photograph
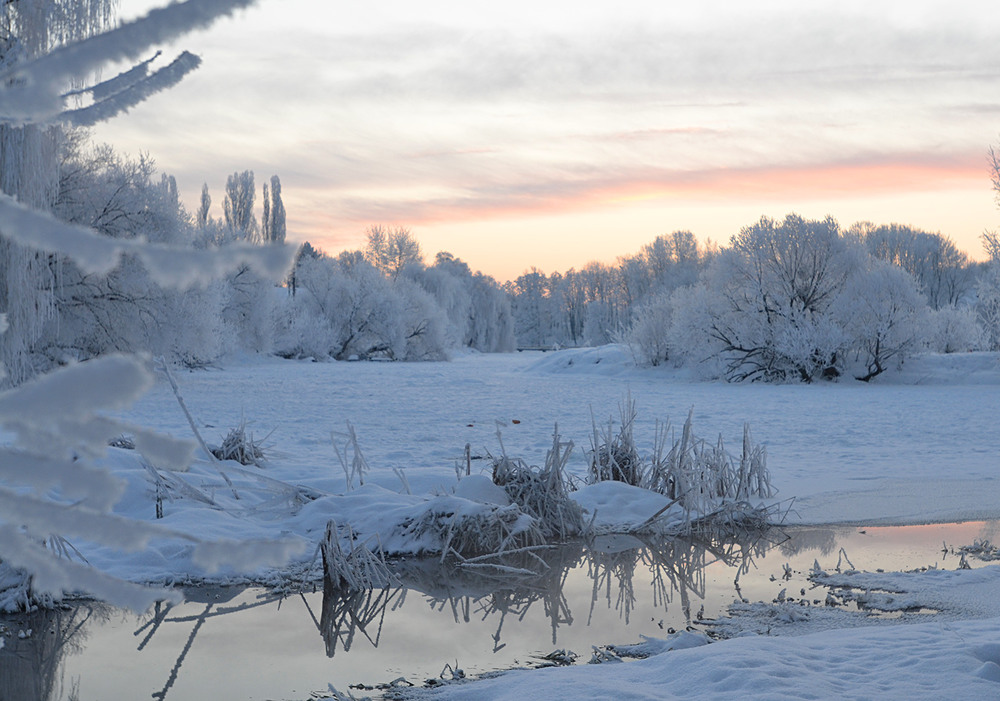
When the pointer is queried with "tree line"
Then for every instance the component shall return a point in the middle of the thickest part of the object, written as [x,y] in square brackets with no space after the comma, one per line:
[793,299]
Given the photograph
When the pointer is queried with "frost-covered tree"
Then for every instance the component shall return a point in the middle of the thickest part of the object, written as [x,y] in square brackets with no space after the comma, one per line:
[651,334]
[391,249]
[605,313]
[477,310]
[768,296]
[491,319]
[276,227]
[118,196]
[954,329]
[238,205]
[988,303]
[448,282]
[668,262]
[346,307]
[50,488]
[205,204]
[534,309]
[883,316]
[265,220]
[29,155]
[943,272]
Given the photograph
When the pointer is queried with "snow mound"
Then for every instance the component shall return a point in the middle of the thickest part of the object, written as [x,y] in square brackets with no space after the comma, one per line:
[480,488]
[613,359]
[947,369]
[925,661]
[619,507]
[681,640]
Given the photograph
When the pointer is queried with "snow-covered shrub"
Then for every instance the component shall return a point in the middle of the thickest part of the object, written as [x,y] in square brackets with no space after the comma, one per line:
[356,569]
[240,446]
[614,456]
[703,476]
[954,329]
[883,318]
[542,492]
[988,304]
[649,337]
[449,525]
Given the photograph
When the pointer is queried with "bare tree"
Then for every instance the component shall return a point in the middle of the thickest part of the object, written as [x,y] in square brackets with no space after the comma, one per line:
[391,249]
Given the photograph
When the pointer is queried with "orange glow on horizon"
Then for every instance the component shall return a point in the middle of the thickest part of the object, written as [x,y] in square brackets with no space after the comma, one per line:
[510,235]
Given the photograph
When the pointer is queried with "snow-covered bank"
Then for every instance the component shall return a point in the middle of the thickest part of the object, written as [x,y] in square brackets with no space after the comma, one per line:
[920,446]
[923,661]
[792,650]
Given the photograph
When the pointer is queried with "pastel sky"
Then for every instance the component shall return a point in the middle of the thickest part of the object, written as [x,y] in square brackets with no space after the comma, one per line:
[554,133]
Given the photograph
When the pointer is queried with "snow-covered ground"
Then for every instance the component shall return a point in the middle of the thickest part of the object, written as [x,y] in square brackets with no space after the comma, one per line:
[915,446]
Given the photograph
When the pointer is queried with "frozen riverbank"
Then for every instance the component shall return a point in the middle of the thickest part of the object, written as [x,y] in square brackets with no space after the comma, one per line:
[919,446]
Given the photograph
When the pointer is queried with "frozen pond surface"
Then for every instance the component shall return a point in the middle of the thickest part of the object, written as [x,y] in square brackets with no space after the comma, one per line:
[252,644]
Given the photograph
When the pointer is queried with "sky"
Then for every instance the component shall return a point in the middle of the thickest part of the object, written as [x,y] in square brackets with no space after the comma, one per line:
[551,134]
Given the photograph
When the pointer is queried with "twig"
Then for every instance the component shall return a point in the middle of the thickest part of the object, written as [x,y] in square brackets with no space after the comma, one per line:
[201,441]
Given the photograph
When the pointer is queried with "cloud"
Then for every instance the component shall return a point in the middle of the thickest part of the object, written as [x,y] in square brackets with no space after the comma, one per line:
[865,176]
[411,114]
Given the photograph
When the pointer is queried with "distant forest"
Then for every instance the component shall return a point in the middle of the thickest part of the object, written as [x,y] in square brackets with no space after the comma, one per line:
[783,300]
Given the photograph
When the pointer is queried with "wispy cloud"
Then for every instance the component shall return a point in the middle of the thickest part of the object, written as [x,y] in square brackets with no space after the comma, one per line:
[431,113]
[868,176]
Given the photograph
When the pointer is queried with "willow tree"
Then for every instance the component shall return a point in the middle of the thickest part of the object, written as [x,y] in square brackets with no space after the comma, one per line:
[50,488]
[29,165]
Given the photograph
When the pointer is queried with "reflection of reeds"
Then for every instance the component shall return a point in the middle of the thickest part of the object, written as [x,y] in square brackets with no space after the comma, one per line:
[347,612]
[509,588]
[520,580]
[676,566]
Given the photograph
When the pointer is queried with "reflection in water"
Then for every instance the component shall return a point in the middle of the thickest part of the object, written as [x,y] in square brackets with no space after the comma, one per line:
[488,590]
[508,587]
[34,647]
[822,539]
[212,598]
[347,612]
[676,566]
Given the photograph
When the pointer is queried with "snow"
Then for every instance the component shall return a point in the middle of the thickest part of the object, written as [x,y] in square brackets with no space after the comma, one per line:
[917,446]
[615,507]
[923,661]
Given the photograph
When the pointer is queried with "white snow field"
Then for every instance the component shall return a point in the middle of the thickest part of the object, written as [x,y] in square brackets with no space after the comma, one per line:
[917,446]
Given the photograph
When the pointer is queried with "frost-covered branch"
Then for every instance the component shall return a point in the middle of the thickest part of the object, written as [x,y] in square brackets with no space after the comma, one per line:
[35,92]
[105,108]
[170,266]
